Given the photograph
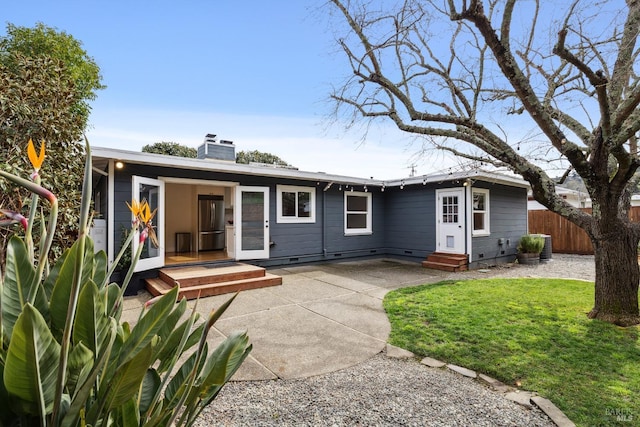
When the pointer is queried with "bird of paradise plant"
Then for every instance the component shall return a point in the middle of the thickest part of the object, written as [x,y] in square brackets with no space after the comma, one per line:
[66,359]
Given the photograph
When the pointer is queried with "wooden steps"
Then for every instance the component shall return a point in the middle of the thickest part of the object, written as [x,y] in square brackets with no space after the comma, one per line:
[447,262]
[207,281]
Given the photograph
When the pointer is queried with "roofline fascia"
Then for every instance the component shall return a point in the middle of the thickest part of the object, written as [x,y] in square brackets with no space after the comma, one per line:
[153,159]
[484,176]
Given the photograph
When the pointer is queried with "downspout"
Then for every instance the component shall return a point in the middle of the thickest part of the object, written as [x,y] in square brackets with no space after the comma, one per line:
[324,219]
[469,219]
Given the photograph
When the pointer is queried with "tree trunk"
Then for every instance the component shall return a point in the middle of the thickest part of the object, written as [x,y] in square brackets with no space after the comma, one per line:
[617,277]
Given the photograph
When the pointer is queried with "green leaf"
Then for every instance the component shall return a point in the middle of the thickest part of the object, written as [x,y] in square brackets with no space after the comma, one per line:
[148,326]
[100,268]
[169,330]
[223,363]
[114,298]
[19,280]
[126,382]
[6,408]
[172,320]
[62,289]
[59,302]
[51,279]
[149,390]
[84,391]
[128,414]
[177,387]
[79,366]
[170,346]
[32,362]
[91,323]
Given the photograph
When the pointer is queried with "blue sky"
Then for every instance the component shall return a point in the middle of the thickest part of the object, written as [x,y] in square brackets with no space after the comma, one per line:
[257,73]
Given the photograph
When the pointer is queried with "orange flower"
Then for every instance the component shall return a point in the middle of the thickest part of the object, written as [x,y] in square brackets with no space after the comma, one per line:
[145,213]
[143,217]
[36,160]
[135,208]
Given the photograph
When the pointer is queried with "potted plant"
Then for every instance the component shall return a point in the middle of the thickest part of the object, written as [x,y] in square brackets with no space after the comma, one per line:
[529,249]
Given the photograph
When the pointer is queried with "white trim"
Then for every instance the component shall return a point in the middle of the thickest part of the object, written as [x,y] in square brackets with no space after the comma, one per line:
[253,253]
[458,248]
[176,162]
[468,234]
[369,214]
[295,219]
[110,212]
[480,175]
[244,169]
[156,261]
[486,231]
[193,181]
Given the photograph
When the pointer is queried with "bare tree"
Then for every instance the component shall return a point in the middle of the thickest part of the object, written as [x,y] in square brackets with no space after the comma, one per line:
[469,75]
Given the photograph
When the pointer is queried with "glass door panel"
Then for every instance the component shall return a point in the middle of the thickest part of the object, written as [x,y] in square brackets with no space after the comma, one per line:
[151,191]
[252,223]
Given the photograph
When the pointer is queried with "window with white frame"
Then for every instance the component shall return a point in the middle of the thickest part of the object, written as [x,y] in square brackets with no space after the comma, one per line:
[296,204]
[480,212]
[357,213]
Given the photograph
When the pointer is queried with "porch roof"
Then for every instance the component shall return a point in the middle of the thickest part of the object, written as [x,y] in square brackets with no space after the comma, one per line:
[102,155]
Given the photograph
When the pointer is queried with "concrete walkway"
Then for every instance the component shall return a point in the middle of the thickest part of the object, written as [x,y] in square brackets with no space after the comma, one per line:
[324,317]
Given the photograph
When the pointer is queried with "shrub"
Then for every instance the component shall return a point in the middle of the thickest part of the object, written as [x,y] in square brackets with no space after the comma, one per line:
[66,359]
[531,244]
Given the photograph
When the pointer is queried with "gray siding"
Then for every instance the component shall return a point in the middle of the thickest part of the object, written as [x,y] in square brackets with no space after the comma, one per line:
[337,244]
[404,221]
[410,226]
[295,242]
[508,221]
[290,243]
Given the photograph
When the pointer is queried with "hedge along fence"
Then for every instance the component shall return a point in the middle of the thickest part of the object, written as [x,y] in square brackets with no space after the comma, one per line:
[566,237]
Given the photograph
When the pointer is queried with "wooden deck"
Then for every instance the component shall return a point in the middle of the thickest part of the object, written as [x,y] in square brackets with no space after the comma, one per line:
[176,258]
[203,281]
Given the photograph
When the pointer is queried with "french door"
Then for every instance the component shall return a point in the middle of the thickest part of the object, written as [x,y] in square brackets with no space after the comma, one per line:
[151,190]
[252,222]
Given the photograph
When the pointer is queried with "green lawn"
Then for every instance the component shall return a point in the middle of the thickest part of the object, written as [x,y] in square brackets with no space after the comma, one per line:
[528,332]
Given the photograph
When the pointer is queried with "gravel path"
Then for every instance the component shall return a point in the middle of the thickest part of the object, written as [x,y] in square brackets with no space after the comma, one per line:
[385,391]
[380,392]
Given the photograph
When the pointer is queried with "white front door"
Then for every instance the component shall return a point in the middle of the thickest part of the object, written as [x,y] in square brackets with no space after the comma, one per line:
[151,190]
[252,222]
[450,216]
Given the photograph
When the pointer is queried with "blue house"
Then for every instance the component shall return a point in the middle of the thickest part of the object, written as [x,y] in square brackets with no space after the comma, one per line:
[272,216]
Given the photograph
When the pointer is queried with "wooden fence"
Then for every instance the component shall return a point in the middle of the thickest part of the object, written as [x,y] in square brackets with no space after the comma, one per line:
[566,238]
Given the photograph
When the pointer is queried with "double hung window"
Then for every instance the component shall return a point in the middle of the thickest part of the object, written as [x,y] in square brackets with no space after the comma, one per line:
[357,213]
[480,212]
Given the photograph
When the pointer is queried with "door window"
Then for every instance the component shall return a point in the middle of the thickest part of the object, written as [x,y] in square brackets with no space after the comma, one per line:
[151,190]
